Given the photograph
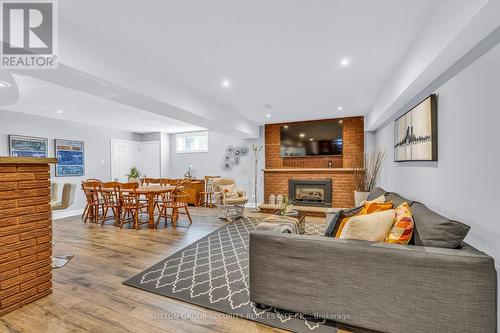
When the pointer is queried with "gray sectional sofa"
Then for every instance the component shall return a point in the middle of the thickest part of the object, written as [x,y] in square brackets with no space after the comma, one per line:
[445,287]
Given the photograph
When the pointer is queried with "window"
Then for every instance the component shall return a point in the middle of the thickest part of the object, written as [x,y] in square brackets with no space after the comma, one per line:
[193,142]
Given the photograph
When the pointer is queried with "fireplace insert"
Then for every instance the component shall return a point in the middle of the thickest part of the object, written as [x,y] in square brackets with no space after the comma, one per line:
[310,192]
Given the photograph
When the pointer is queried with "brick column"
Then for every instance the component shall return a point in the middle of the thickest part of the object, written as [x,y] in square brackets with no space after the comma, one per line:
[25,232]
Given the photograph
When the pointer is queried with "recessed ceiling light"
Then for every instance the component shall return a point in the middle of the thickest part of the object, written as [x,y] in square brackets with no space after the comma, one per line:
[339,108]
[302,135]
[345,62]
[59,111]
[311,139]
[226,83]
[268,115]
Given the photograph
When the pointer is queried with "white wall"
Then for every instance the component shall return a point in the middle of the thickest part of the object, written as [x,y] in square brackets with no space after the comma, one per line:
[465,183]
[209,164]
[97,144]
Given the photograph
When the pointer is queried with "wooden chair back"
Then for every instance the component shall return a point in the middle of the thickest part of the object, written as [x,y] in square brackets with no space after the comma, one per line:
[209,180]
[110,192]
[180,194]
[169,181]
[128,194]
[151,181]
[91,191]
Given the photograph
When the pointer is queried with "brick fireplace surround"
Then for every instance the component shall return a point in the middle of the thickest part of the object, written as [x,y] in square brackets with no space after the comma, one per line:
[279,170]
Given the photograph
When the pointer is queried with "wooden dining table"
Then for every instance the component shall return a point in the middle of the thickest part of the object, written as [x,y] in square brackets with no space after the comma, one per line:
[150,192]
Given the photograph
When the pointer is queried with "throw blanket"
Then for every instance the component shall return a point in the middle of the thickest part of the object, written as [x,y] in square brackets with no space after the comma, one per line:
[287,227]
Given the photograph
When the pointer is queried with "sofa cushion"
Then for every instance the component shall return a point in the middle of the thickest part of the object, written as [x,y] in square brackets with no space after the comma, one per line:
[379,199]
[371,227]
[432,229]
[376,192]
[334,224]
[396,199]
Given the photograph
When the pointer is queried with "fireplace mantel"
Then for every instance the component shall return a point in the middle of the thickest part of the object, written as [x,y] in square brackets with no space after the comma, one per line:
[310,170]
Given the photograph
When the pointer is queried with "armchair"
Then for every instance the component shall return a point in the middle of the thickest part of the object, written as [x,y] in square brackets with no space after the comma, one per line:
[228,200]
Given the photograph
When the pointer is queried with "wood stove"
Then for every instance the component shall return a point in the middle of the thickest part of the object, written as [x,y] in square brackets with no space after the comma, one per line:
[310,192]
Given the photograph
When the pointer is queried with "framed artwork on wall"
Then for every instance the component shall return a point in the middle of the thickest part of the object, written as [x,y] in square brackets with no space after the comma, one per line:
[415,133]
[27,146]
[70,156]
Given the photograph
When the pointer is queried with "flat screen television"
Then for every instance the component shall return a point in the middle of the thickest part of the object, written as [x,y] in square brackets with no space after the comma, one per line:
[311,139]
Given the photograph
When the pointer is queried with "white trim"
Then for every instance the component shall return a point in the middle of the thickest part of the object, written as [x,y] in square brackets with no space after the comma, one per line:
[60,214]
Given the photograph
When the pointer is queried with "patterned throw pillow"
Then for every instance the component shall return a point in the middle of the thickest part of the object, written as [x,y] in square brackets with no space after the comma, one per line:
[402,230]
[229,191]
[368,208]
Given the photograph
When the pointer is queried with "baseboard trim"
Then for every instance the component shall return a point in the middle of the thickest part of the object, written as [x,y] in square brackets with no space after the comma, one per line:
[56,215]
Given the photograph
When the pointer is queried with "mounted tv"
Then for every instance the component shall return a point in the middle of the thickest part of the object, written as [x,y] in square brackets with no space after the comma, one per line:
[311,139]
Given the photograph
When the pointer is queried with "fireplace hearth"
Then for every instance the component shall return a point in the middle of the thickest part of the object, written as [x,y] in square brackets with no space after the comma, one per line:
[310,192]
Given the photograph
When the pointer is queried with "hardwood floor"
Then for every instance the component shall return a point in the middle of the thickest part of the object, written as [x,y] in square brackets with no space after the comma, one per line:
[88,294]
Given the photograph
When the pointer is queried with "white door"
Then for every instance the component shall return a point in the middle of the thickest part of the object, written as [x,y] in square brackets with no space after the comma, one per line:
[150,159]
[124,156]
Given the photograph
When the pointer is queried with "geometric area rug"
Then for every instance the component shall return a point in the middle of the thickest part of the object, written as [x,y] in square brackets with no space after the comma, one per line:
[213,273]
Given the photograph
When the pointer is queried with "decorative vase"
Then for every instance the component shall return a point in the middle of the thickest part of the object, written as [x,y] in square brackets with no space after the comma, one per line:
[359,197]
[279,200]
[272,199]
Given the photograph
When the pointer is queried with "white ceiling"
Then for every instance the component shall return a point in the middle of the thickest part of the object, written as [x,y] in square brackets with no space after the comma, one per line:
[172,55]
[283,53]
[45,99]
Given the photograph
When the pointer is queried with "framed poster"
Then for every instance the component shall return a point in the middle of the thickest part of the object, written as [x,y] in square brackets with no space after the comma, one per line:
[27,146]
[415,133]
[70,158]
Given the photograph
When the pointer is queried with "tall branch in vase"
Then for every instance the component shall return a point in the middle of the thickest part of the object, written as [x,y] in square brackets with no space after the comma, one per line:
[257,149]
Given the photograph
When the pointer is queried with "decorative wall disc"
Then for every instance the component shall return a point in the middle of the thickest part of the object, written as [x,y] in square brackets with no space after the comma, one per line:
[236,161]
[244,151]
[227,166]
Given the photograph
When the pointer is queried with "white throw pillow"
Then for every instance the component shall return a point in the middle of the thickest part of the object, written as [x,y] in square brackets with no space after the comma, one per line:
[372,227]
[229,191]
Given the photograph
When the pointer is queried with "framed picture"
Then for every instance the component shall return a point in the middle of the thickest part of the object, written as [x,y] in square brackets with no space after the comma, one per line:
[415,133]
[27,146]
[70,156]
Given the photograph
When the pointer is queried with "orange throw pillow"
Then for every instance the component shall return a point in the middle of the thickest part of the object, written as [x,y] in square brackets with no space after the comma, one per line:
[402,229]
[368,208]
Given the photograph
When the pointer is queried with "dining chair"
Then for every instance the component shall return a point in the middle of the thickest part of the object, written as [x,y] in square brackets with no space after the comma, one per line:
[94,202]
[207,197]
[131,205]
[178,200]
[67,197]
[110,193]
[90,180]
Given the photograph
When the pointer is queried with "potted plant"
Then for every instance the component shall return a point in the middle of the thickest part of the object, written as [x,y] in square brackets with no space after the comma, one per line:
[366,171]
[133,175]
